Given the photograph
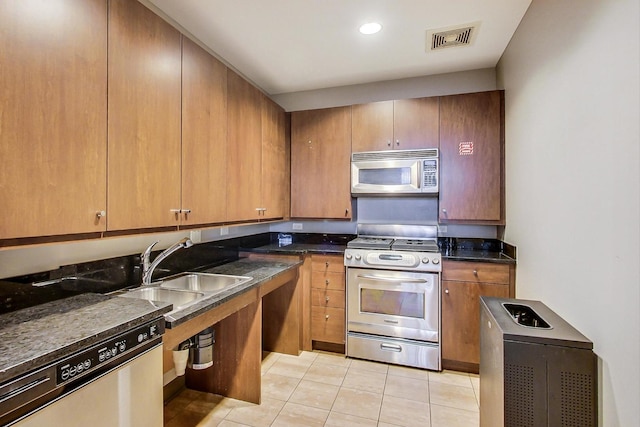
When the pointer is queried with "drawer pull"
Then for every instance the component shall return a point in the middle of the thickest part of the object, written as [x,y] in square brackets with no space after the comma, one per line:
[327,299]
[326,282]
[326,264]
[326,316]
[390,347]
[446,291]
[475,273]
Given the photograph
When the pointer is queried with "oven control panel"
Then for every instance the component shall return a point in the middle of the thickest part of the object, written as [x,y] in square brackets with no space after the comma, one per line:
[393,260]
[107,351]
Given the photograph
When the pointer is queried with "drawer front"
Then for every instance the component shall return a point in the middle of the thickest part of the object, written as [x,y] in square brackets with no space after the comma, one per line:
[465,271]
[327,298]
[330,280]
[327,263]
[328,324]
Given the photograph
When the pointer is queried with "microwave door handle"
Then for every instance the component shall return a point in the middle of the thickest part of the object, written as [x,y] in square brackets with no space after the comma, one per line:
[391,279]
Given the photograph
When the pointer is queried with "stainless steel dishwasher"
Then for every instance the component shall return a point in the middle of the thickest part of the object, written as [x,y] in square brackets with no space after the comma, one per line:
[117,382]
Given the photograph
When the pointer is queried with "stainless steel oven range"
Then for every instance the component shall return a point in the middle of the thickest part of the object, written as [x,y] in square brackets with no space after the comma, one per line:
[393,295]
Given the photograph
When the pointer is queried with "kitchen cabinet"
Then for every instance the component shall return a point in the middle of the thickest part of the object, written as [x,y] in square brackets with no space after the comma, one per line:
[53,138]
[321,163]
[244,155]
[275,188]
[328,299]
[144,119]
[204,136]
[463,282]
[472,158]
[401,124]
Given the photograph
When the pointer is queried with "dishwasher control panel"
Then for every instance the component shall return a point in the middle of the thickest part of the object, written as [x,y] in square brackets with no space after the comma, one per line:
[109,351]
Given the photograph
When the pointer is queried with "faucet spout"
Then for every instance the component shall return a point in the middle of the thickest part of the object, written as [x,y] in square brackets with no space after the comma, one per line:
[148,267]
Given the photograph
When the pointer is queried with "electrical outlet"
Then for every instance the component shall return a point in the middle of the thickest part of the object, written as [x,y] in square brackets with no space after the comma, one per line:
[296,226]
[224,231]
[195,236]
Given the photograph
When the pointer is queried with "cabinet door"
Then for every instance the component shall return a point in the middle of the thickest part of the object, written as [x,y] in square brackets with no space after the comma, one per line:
[53,136]
[320,163]
[372,128]
[461,318]
[143,118]
[416,123]
[204,136]
[471,158]
[275,185]
[244,154]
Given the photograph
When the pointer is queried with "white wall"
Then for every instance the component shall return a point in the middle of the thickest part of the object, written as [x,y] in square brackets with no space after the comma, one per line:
[571,79]
[441,84]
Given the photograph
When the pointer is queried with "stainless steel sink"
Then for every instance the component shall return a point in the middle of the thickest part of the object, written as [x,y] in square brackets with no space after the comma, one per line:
[203,282]
[179,299]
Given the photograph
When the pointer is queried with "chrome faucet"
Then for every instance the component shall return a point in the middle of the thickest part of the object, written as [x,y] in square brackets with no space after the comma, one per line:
[148,266]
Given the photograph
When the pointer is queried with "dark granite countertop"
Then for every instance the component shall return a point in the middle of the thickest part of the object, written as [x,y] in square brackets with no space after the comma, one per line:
[478,255]
[34,337]
[260,270]
[301,249]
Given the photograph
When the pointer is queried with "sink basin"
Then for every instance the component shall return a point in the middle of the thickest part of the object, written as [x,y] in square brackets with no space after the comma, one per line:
[203,282]
[177,298]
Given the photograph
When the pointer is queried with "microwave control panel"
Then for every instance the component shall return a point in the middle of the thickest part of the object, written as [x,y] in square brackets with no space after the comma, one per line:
[429,174]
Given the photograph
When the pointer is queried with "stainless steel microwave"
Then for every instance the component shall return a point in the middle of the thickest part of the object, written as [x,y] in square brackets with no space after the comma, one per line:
[395,172]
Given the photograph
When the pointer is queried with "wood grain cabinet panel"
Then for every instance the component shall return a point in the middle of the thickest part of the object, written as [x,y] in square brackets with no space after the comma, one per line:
[144,119]
[275,185]
[472,158]
[53,108]
[204,136]
[244,118]
[462,285]
[328,299]
[401,124]
[321,163]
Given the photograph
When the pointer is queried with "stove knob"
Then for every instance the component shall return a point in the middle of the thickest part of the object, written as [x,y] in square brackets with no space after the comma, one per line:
[425,260]
[348,256]
[436,261]
[358,257]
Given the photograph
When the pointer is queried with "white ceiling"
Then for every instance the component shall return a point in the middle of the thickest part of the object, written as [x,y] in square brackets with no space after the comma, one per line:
[294,45]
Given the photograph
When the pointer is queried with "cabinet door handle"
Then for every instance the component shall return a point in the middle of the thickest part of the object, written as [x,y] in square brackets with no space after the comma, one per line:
[326,317]
[327,298]
[326,282]
[186,211]
[346,212]
[389,143]
[326,264]
[444,211]
[397,142]
[101,214]
[446,291]
[175,211]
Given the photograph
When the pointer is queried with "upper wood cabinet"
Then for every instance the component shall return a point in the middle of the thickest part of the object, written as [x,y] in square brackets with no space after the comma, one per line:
[275,188]
[204,136]
[244,155]
[320,163]
[472,158]
[144,119]
[53,137]
[401,124]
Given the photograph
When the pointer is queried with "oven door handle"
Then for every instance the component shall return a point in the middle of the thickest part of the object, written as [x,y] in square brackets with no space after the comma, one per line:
[391,279]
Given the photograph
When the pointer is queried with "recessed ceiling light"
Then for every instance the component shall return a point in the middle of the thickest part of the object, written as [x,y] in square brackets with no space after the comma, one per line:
[370,28]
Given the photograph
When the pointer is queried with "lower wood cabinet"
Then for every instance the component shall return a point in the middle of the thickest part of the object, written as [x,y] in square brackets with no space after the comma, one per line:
[463,283]
[328,299]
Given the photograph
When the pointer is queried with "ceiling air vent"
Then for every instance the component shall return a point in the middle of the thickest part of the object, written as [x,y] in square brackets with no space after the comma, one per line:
[451,37]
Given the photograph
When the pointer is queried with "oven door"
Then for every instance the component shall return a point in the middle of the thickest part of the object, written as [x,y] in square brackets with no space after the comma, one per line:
[398,304]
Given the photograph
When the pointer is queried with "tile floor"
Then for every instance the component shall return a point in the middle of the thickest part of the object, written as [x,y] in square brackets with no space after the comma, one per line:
[326,389]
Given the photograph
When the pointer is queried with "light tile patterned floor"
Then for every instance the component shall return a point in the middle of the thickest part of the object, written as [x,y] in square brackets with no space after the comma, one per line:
[326,389]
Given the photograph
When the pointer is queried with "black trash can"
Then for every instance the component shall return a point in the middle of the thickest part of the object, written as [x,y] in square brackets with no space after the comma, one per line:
[535,368]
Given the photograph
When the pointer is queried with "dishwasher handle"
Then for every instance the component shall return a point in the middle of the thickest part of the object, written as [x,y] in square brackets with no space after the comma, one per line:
[24,388]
